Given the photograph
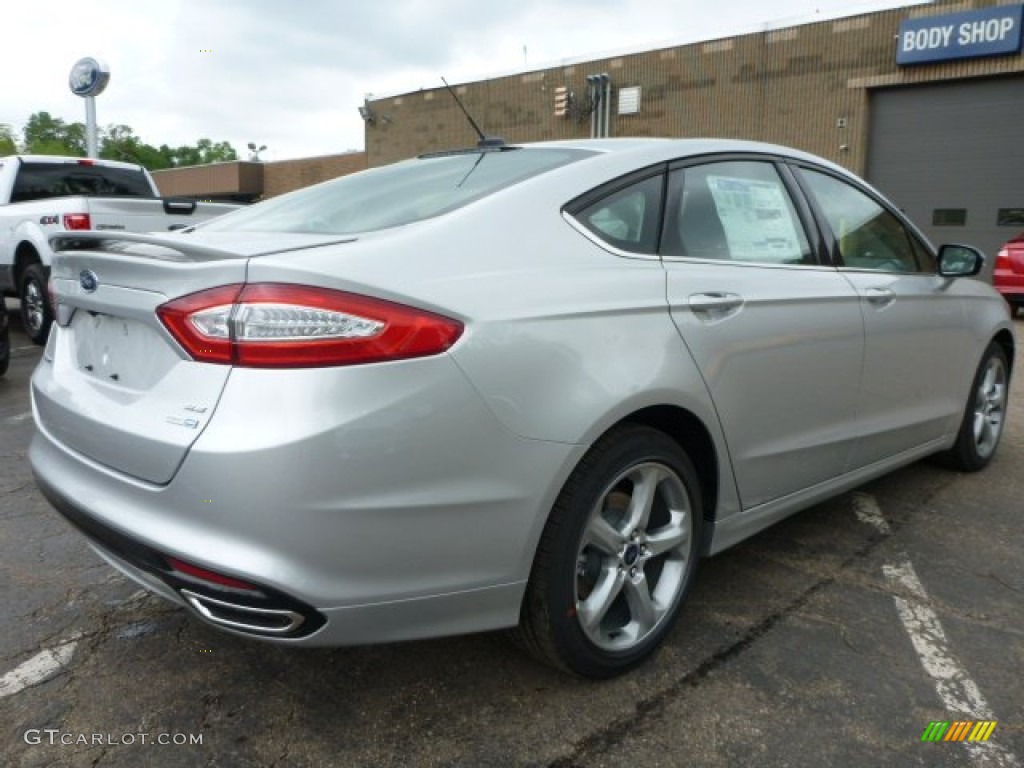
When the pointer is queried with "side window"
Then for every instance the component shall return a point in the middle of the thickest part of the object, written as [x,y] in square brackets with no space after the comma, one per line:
[869,236]
[628,218]
[734,210]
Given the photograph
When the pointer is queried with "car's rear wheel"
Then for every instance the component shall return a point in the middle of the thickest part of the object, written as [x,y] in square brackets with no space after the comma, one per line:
[36,315]
[616,557]
[985,414]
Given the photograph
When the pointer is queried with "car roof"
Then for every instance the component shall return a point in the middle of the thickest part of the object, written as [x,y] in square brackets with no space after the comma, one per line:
[660,149]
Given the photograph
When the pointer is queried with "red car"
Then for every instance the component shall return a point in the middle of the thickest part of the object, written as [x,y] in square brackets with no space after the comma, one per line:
[1008,277]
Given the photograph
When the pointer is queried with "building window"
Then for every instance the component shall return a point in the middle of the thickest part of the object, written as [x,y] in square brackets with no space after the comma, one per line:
[949,217]
[1010,217]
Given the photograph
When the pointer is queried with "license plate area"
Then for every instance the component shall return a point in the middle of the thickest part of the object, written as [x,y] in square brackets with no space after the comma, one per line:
[119,350]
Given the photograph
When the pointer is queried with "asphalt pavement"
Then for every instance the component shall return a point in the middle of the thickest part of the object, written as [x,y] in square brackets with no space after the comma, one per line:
[835,638]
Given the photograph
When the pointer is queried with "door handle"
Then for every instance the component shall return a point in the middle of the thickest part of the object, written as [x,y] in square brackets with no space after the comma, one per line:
[880,297]
[717,303]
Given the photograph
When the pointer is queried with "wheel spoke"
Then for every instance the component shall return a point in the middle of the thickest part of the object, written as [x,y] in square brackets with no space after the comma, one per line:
[602,536]
[669,537]
[594,608]
[641,606]
[644,491]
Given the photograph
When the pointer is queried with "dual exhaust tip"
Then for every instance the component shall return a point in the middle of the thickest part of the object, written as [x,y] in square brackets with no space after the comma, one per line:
[244,618]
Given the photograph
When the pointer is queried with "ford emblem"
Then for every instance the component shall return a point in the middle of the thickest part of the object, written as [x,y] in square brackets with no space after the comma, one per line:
[88,280]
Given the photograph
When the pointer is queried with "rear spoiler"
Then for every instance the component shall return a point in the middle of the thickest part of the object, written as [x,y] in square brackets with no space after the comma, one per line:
[94,240]
[88,240]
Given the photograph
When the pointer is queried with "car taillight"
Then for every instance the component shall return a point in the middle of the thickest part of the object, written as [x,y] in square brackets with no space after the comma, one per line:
[77,221]
[276,325]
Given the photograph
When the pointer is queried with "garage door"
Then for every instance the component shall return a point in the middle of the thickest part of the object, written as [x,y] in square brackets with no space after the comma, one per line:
[952,156]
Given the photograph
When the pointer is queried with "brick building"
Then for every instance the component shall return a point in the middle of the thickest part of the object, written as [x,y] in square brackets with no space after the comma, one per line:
[246,182]
[926,101]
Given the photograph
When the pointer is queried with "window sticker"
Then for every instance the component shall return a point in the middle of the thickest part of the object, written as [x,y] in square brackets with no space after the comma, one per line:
[756,218]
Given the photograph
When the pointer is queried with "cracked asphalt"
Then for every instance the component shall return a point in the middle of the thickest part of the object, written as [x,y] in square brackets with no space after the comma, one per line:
[790,651]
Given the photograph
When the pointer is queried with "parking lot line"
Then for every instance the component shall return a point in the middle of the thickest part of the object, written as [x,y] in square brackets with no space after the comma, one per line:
[40,668]
[18,417]
[959,693]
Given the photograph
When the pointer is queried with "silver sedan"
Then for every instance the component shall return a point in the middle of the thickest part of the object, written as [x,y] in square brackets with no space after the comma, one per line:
[513,386]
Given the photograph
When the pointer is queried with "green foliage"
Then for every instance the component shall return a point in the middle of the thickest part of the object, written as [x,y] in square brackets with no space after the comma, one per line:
[204,152]
[48,135]
[8,146]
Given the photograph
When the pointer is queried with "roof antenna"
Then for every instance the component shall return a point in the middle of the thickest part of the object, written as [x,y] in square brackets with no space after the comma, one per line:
[485,141]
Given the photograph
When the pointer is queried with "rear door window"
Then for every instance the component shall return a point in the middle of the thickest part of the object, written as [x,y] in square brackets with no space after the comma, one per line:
[735,210]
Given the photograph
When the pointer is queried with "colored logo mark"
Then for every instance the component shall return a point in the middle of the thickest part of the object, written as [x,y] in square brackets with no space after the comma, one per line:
[959,730]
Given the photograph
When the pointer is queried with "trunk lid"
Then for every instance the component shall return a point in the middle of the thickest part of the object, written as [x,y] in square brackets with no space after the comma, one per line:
[113,384]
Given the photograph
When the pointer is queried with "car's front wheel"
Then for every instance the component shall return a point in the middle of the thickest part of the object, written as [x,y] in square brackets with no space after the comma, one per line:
[616,557]
[985,414]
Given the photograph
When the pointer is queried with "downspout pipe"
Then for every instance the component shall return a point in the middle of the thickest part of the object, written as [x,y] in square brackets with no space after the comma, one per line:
[607,80]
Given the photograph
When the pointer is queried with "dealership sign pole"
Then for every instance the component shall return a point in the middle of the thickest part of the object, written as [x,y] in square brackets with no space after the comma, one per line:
[88,78]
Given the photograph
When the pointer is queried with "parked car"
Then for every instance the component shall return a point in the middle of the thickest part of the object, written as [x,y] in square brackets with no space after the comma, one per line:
[41,195]
[1008,277]
[514,386]
[5,339]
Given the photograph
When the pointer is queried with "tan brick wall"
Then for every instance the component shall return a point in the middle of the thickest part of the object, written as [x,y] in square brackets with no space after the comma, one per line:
[288,175]
[256,180]
[215,179]
[791,86]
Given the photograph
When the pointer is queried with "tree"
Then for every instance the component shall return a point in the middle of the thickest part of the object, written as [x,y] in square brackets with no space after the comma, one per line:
[203,152]
[8,146]
[119,142]
[48,135]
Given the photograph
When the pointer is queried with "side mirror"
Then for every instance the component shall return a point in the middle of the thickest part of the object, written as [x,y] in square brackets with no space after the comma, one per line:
[960,261]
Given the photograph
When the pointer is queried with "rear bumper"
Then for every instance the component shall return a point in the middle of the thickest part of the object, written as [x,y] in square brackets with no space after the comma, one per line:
[262,611]
[412,514]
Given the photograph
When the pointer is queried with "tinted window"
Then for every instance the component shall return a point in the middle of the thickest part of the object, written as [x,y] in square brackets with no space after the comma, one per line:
[395,194]
[736,210]
[868,236]
[38,181]
[627,218]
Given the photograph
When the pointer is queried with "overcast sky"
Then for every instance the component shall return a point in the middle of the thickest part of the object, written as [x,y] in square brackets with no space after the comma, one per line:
[291,73]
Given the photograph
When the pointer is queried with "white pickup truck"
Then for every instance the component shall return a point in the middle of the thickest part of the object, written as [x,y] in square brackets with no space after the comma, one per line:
[42,195]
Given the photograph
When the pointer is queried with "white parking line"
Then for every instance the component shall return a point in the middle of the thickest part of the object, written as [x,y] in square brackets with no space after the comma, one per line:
[955,687]
[867,511]
[18,418]
[959,693]
[40,668]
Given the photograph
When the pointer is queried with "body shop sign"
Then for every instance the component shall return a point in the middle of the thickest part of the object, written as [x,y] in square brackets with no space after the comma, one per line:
[984,32]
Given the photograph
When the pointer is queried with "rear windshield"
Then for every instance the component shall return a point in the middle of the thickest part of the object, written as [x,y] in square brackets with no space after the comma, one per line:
[395,194]
[38,181]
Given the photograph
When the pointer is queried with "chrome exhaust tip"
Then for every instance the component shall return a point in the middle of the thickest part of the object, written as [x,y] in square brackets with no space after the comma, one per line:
[244,618]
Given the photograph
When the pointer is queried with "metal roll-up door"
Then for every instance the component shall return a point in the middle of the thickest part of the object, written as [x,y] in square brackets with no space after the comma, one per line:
[951,155]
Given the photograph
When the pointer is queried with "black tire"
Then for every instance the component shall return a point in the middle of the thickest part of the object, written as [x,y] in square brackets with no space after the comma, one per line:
[573,616]
[36,313]
[984,414]
[5,339]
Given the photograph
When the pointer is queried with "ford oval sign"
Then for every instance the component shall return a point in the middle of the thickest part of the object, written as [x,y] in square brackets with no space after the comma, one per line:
[89,77]
[88,280]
